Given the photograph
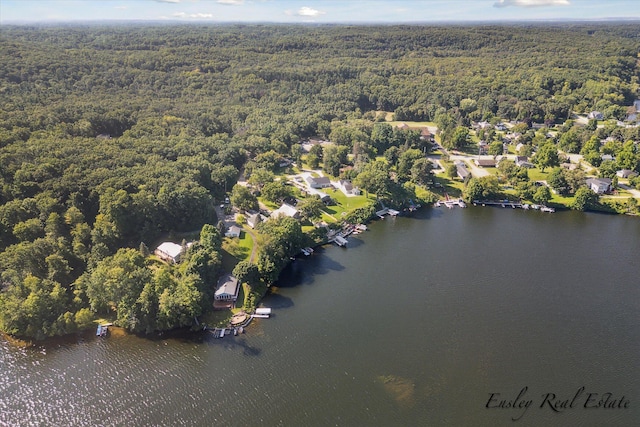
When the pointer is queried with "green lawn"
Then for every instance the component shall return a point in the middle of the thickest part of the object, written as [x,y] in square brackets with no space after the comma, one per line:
[412,124]
[344,204]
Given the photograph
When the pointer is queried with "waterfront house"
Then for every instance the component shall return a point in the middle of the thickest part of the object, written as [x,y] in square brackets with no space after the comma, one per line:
[169,252]
[227,289]
[233,231]
[462,170]
[318,182]
[599,185]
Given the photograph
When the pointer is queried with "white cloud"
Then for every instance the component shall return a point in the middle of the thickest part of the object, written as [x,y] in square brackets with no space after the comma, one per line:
[531,3]
[231,2]
[168,1]
[184,15]
[307,11]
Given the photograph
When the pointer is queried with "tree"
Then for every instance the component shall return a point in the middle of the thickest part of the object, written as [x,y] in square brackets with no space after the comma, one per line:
[496,148]
[542,195]
[585,199]
[311,207]
[451,170]
[557,181]
[547,156]
[457,139]
[247,272]
[276,191]
[242,198]
[421,171]
[259,177]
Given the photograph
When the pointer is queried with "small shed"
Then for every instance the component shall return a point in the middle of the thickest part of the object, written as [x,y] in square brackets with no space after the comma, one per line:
[233,231]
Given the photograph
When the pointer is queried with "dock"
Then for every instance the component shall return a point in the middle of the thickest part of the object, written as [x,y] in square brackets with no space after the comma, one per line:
[513,205]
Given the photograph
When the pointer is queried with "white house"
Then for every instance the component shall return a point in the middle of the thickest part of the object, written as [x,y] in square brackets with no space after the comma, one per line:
[227,289]
[233,231]
[285,210]
[595,115]
[347,188]
[169,252]
[599,185]
[626,173]
[318,182]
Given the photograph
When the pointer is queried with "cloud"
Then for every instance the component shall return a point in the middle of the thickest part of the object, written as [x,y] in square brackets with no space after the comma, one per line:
[168,1]
[231,2]
[307,11]
[531,3]
[185,15]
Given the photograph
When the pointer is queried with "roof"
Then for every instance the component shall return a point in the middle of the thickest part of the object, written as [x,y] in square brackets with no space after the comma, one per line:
[284,210]
[234,229]
[170,248]
[227,285]
[318,180]
[485,162]
[346,184]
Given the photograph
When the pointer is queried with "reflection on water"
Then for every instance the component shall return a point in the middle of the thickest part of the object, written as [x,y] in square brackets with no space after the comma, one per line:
[416,325]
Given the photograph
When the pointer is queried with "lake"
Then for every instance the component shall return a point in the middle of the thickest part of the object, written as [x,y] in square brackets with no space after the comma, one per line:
[477,316]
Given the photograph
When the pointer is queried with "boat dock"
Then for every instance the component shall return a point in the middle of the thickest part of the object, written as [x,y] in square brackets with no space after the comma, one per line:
[513,205]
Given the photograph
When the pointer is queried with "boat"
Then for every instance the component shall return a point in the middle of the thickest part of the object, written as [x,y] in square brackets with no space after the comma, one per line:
[546,209]
[99,331]
[361,227]
[263,310]
[461,203]
[436,204]
[340,241]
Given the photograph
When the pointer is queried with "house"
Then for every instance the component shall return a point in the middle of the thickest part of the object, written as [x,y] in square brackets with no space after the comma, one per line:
[426,135]
[523,161]
[599,185]
[626,173]
[607,157]
[462,170]
[403,126]
[227,289]
[485,163]
[284,162]
[286,210]
[636,105]
[347,188]
[483,148]
[501,127]
[318,182]
[254,219]
[169,252]
[597,115]
[233,231]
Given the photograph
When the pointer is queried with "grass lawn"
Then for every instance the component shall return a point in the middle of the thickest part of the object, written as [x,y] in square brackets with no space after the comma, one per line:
[412,124]
[344,204]
[536,174]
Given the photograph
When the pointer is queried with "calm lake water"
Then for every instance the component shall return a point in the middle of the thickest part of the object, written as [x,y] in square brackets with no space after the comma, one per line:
[418,322]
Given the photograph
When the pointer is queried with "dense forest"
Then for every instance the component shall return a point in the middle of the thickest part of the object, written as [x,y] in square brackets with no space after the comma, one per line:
[112,136]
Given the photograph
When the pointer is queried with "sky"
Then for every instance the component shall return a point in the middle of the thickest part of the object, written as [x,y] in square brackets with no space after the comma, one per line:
[319,11]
